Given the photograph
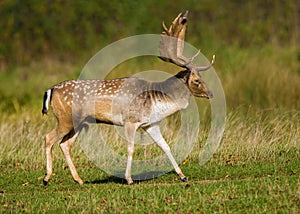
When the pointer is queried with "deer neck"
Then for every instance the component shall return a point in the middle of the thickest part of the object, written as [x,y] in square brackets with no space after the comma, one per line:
[176,90]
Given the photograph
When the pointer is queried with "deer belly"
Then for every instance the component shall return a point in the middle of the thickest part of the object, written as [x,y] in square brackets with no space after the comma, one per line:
[107,112]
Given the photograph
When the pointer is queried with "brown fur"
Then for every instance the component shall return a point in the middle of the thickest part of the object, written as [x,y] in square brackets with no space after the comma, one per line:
[129,102]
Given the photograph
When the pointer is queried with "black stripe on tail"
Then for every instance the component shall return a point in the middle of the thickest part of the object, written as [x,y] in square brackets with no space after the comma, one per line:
[47,99]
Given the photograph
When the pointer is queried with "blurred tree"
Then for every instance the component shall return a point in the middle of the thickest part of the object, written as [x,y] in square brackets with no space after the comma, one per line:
[65,29]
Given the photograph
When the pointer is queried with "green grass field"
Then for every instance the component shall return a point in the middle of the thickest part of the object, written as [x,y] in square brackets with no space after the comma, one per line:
[255,170]
[247,187]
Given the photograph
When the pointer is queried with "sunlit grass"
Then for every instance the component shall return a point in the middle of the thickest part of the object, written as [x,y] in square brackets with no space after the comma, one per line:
[264,78]
[247,138]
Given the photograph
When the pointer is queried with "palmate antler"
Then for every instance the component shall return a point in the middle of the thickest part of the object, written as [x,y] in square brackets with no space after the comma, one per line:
[172,44]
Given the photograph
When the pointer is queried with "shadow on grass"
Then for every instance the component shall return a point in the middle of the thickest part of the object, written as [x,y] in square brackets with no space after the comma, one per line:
[119,178]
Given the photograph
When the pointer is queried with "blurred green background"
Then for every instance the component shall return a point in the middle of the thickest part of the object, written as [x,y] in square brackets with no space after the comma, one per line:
[32,29]
[256,43]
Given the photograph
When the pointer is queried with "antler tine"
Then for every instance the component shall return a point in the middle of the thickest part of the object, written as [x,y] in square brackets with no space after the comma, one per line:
[192,59]
[172,44]
[166,30]
[172,28]
[175,23]
[201,68]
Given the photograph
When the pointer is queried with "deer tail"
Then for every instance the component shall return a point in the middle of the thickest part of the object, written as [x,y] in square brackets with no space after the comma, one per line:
[47,99]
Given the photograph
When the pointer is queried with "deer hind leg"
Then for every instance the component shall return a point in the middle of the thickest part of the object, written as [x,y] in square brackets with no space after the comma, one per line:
[65,146]
[50,139]
[130,130]
[156,135]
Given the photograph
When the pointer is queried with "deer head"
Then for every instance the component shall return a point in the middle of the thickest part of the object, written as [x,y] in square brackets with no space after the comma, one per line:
[171,50]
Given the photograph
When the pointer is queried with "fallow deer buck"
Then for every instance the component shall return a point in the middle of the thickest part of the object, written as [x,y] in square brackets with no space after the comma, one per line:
[130,102]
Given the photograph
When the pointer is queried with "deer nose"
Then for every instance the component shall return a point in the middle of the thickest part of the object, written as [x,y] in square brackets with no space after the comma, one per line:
[209,95]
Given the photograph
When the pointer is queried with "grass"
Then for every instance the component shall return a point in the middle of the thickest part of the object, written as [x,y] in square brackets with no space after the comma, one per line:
[262,187]
[220,186]
[242,177]
[255,169]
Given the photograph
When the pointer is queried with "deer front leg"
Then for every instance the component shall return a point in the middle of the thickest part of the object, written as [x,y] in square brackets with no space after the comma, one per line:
[156,135]
[65,146]
[130,130]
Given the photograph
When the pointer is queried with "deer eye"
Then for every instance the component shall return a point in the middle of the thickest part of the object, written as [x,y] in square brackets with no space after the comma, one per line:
[196,81]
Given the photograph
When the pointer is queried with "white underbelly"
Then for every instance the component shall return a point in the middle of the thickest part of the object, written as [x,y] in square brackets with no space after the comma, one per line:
[161,110]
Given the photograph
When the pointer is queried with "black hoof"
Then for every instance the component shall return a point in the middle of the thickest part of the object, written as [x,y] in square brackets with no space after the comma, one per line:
[184,179]
[45,183]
